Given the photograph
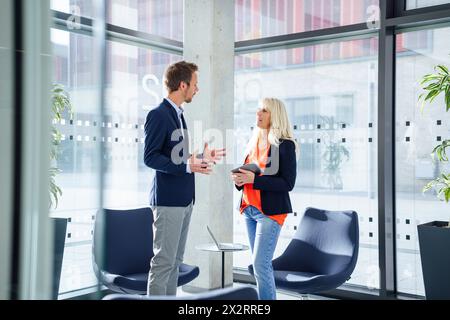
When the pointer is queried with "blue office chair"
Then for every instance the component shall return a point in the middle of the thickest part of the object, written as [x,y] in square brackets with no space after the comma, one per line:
[124,263]
[322,255]
[239,293]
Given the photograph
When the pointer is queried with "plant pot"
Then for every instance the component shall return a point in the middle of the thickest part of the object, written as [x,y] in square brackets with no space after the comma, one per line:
[60,228]
[434,242]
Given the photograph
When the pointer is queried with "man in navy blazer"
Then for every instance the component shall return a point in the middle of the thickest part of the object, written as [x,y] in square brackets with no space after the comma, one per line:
[172,192]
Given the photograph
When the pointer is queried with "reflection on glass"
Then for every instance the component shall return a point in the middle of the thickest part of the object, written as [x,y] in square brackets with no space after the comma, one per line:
[162,18]
[330,94]
[264,18]
[157,17]
[133,85]
[414,4]
[73,69]
[416,135]
[325,53]
[83,8]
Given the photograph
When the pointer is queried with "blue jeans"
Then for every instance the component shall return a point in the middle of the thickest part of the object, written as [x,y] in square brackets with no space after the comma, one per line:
[263,235]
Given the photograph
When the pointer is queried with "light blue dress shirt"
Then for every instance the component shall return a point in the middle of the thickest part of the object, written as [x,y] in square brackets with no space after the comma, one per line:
[179,112]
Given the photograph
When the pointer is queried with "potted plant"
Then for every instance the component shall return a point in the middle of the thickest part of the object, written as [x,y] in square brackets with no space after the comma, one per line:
[434,236]
[60,104]
[335,153]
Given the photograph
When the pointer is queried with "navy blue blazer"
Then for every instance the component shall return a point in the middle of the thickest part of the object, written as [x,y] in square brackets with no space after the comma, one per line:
[277,180]
[171,186]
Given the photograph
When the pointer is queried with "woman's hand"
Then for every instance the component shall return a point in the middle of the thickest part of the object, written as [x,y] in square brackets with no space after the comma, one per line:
[244,177]
[236,179]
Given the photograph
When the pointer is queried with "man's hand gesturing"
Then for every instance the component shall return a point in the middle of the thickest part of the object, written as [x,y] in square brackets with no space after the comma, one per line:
[213,155]
[199,165]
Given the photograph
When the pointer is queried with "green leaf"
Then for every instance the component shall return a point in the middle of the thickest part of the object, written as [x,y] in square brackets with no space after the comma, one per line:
[431,95]
[443,69]
[433,86]
[441,86]
[447,98]
[429,77]
[447,194]
[60,103]
[427,187]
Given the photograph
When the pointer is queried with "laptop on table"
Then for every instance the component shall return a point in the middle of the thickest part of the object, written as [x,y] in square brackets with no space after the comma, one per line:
[225,246]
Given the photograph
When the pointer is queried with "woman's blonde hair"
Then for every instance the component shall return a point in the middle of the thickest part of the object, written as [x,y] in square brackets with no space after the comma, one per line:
[280,127]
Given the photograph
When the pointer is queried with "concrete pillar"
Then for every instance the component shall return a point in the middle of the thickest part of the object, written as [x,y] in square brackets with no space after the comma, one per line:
[209,42]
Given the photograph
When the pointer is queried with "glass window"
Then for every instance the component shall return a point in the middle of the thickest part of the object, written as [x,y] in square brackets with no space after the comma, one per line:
[134,85]
[414,4]
[264,18]
[416,135]
[78,154]
[84,8]
[330,92]
[162,18]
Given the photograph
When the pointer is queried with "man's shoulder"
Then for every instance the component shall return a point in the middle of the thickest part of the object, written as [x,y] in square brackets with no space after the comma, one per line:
[159,110]
[163,106]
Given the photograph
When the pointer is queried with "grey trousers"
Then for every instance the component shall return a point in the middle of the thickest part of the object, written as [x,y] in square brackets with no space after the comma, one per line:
[170,230]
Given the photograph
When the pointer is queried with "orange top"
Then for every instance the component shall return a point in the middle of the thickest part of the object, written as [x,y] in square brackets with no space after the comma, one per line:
[252,197]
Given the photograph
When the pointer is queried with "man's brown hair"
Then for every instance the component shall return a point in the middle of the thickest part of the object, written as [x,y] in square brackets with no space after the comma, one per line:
[178,72]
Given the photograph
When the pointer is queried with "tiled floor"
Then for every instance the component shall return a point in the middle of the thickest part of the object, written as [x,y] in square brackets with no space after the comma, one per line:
[281,295]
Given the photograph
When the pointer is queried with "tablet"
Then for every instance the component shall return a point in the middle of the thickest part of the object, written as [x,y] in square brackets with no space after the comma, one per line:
[249,167]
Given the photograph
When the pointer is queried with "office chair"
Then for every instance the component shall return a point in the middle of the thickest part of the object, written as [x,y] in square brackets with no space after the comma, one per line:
[124,263]
[322,254]
[239,293]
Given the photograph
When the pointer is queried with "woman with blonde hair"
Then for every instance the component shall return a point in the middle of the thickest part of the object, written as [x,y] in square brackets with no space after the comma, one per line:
[265,199]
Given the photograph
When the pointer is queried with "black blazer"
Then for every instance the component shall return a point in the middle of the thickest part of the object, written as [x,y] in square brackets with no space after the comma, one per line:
[171,186]
[277,180]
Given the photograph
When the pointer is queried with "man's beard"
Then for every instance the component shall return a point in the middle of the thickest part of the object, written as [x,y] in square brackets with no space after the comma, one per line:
[189,100]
